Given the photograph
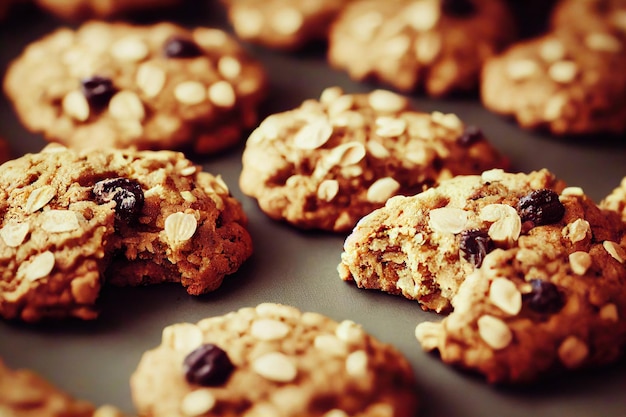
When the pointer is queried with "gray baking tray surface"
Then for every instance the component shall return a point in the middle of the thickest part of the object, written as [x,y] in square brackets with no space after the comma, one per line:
[94,360]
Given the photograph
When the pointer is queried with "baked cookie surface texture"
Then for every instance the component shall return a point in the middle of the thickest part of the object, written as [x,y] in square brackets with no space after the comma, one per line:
[87,9]
[68,218]
[272,360]
[565,81]
[149,87]
[283,24]
[327,163]
[435,45]
[533,271]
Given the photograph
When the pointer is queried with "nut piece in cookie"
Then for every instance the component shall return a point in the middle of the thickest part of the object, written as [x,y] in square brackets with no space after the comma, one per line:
[283,24]
[533,271]
[23,393]
[329,162]
[137,217]
[272,360]
[99,9]
[149,87]
[435,45]
[563,82]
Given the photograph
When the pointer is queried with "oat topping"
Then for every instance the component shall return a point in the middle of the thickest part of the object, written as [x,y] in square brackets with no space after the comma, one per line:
[180,227]
[39,198]
[198,402]
[616,251]
[504,294]
[572,352]
[276,367]
[448,220]
[494,332]
[39,267]
[14,233]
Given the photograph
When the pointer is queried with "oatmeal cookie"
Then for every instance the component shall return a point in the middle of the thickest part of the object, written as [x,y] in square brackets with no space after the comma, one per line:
[327,163]
[283,24]
[533,271]
[272,360]
[591,16]
[563,82]
[437,45]
[149,87]
[68,218]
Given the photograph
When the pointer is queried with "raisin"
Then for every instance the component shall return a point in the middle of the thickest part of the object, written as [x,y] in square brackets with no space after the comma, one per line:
[176,47]
[458,8]
[470,135]
[475,245]
[97,90]
[544,297]
[207,365]
[126,193]
[541,207]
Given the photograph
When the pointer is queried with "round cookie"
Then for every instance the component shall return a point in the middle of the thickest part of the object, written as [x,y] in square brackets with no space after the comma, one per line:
[563,82]
[272,360]
[283,24]
[327,163]
[98,9]
[589,16]
[148,87]
[533,270]
[25,394]
[69,218]
[437,45]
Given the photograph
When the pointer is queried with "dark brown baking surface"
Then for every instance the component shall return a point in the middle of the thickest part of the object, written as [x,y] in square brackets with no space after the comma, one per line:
[93,360]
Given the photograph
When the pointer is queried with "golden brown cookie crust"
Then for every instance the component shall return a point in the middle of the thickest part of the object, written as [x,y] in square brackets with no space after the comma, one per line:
[148,87]
[327,163]
[411,44]
[533,271]
[283,24]
[286,362]
[60,235]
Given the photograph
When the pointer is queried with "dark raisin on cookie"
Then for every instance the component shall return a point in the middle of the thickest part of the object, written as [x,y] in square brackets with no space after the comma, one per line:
[458,8]
[544,297]
[475,245]
[97,90]
[470,135]
[541,207]
[126,193]
[208,365]
[176,47]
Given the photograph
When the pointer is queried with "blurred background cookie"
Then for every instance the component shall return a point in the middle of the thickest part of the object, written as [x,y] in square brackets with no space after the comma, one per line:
[563,82]
[435,45]
[283,24]
[148,87]
[98,9]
